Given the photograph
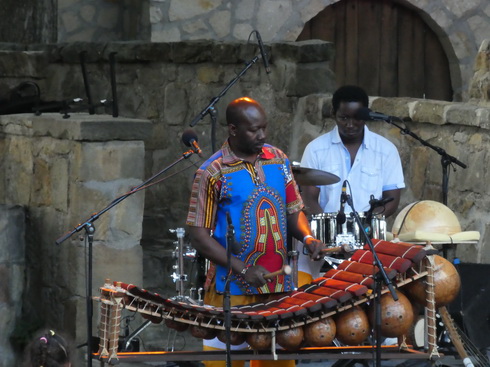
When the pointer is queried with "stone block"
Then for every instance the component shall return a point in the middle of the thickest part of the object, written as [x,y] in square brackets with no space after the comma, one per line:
[18,171]
[168,34]
[12,275]
[12,232]
[16,124]
[227,53]
[120,225]
[461,113]
[181,10]
[107,161]
[124,265]
[70,52]
[137,51]
[399,107]
[220,22]
[24,65]
[198,28]
[483,117]
[431,111]
[175,113]
[242,30]
[311,78]
[191,52]
[82,126]
[244,9]
[268,10]
[310,51]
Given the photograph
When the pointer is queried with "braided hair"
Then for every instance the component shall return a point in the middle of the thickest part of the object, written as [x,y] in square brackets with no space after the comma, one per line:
[49,350]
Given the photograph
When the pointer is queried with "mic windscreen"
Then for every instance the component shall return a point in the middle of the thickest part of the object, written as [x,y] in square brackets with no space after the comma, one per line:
[362,114]
[187,136]
[341,218]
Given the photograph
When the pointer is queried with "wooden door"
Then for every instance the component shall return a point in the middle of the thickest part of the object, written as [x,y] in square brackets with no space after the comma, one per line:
[384,47]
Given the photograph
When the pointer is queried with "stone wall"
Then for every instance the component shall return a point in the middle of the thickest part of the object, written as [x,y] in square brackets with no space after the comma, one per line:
[460,25]
[102,21]
[62,171]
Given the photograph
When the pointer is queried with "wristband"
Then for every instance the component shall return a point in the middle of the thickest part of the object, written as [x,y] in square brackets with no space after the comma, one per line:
[244,270]
[306,237]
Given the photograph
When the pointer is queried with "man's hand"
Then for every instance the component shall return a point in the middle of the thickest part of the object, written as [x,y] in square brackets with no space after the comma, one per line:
[255,275]
[314,247]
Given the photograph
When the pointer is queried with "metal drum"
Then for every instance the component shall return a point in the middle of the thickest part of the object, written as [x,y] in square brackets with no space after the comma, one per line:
[348,235]
[324,227]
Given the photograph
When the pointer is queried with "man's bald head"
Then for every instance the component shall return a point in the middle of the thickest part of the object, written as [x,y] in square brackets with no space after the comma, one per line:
[242,109]
[247,124]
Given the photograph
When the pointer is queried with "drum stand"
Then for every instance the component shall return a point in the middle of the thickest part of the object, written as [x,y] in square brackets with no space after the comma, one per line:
[294,261]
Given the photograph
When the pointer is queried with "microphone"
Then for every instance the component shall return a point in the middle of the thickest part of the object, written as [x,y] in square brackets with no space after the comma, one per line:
[343,199]
[263,53]
[374,203]
[365,114]
[189,138]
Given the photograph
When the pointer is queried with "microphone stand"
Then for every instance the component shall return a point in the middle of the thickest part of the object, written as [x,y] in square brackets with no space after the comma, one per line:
[446,159]
[89,228]
[213,112]
[210,107]
[230,239]
[379,278]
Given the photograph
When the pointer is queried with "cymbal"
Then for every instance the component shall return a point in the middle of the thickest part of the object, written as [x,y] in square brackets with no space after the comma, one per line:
[313,177]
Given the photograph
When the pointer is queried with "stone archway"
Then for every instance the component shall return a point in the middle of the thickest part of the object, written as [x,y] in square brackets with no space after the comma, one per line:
[385,47]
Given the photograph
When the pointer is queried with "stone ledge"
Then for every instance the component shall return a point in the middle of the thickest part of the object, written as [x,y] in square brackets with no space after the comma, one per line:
[179,52]
[80,126]
[304,51]
[433,112]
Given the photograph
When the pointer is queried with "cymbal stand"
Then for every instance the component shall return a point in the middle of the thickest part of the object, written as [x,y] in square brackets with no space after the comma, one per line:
[293,254]
[178,276]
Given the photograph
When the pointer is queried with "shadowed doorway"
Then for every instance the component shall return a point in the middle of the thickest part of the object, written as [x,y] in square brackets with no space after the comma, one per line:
[384,47]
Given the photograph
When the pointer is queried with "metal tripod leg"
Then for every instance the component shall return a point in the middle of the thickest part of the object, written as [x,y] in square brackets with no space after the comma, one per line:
[134,334]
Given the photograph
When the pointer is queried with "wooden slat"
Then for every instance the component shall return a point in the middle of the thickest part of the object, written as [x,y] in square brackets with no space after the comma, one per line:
[351,42]
[437,83]
[388,61]
[417,71]
[415,253]
[369,46]
[406,48]
[348,276]
[399,264]
[340,44]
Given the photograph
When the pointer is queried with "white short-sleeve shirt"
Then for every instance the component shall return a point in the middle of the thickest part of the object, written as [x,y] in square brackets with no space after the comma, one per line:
[377,168]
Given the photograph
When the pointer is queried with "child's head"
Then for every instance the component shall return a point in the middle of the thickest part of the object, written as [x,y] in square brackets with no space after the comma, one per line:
[49,349]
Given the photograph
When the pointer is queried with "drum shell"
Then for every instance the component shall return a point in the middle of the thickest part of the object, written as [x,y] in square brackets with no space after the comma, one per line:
[324,227]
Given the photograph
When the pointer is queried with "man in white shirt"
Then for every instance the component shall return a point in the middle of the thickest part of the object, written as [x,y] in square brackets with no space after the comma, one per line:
[369,162]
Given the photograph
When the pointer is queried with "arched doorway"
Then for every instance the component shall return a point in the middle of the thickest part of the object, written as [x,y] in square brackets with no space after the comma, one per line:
[385,47]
